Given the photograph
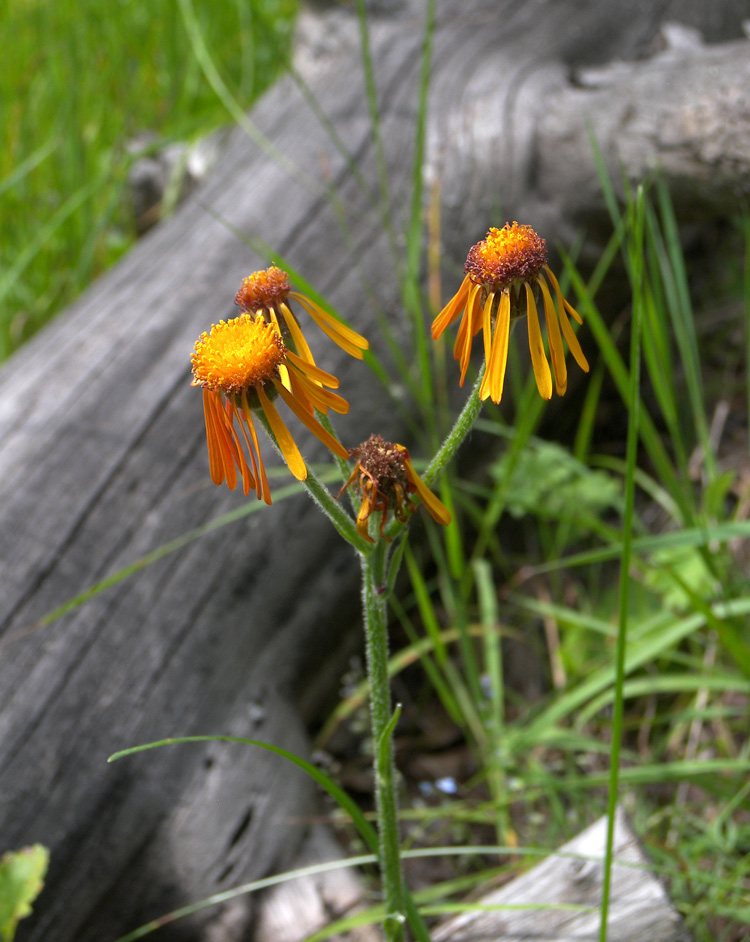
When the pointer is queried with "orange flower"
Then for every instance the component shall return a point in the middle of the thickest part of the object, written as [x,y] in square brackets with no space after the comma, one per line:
[243,365]
[267,292]
[386,479]
[496,270]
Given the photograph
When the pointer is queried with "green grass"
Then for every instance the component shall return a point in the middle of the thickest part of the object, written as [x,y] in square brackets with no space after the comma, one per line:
[648,668]
[78,81]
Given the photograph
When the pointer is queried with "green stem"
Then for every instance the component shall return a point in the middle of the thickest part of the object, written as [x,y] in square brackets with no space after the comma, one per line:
[458,433]
[340,519]
[374,595]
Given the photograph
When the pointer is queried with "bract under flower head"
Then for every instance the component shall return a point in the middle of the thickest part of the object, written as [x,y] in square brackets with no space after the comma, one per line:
[243,365]
[386,479]
[267,292]
[510,262]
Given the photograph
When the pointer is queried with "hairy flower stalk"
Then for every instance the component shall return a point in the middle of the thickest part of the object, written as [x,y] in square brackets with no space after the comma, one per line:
[384,479]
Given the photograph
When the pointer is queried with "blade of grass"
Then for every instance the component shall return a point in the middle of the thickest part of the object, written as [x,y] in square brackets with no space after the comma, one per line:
[30,163]
[690,536]
[683,322]
[225,96]
[634,398]
[414,235]
[372,104]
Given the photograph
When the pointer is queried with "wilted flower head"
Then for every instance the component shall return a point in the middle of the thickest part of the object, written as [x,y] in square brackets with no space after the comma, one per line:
[509,262]
[386,479]
[268,291]
[243,365]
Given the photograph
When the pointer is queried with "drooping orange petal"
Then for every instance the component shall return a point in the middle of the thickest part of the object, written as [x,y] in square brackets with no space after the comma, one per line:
[248,480]
[215,462]
[249,477]
[570,337]
[436,507]
[313,372]
[536,346]
[461,336]
[224,440]
[233,410]
[311,394]
[557,353]
[349,340]
[298,337]
[260,470]
[494,376]
[556,285]
[487,325]
[452,309]
[466,331]
[286,443]
[315,427]
[363,517]
[571,310]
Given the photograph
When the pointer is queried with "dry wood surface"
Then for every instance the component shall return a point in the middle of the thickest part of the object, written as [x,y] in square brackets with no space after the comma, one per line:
[558,900]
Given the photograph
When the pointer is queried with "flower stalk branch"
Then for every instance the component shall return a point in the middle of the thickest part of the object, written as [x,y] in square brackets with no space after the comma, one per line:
[461,428]
[320,494]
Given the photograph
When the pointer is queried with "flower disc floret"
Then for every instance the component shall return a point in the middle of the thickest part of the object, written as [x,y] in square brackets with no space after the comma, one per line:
[513,253]
[263,289]
[385,477]
[238,354]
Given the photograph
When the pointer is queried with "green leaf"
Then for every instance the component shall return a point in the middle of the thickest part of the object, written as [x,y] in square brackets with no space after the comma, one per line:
[21,881]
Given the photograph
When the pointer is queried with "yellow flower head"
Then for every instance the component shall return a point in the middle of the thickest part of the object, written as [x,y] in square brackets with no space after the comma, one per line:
[386,479]
[243,365]
[511,260]
[268,291]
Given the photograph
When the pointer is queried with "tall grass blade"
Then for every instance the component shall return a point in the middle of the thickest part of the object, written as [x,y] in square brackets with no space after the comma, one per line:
[217,83]
[415,228]
[634,399]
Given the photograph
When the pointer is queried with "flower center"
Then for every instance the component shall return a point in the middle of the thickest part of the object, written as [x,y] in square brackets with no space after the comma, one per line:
[237,354]
[383,462]
[263,289]
[513,253]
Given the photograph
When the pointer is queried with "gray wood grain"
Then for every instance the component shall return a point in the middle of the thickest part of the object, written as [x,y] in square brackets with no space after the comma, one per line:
[102,458]
[558,900]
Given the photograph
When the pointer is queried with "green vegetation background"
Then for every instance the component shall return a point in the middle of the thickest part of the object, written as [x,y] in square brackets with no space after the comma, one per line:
[79,80]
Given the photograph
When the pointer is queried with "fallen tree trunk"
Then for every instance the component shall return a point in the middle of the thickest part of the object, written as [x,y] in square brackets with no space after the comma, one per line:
[558,900]
[102,458]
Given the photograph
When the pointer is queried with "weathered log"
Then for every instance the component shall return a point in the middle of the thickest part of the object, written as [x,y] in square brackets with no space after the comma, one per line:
[558,900]
[102,458]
